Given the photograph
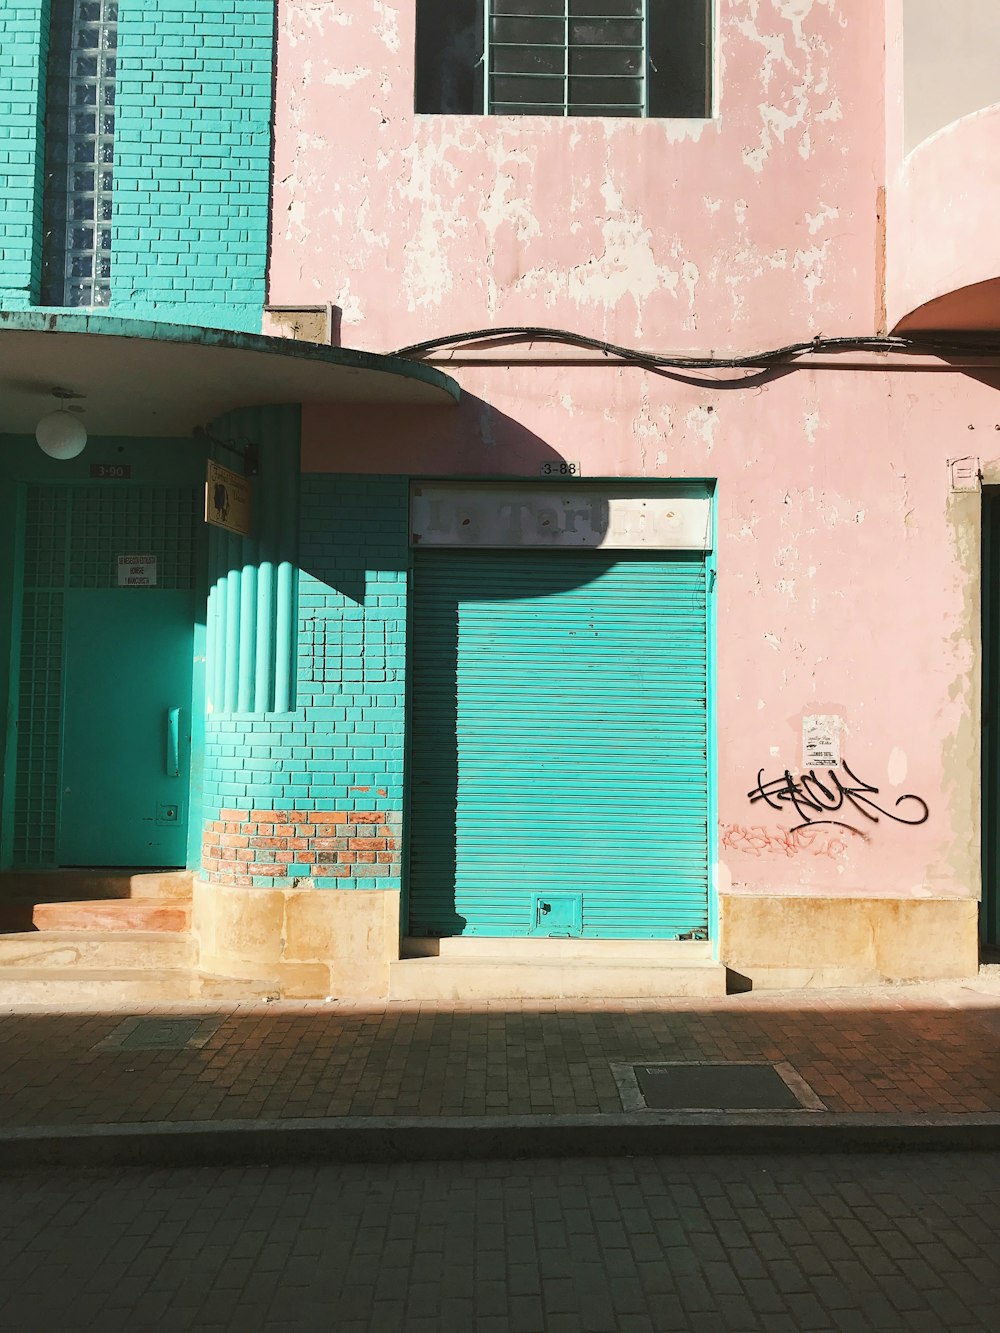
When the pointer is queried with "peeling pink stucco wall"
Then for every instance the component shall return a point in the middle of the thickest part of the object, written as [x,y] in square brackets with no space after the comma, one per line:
[848,570]
[745,231]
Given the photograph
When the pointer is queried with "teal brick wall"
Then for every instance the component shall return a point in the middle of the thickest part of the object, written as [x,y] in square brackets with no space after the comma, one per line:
[192,158]
[334,766]
[23,53]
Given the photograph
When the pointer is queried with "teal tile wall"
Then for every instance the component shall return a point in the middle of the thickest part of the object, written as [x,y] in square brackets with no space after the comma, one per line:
[192,158]
[24,26]
[342,747]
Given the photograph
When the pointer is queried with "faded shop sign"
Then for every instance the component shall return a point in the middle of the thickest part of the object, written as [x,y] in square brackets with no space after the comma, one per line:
[227,499]
[587,516]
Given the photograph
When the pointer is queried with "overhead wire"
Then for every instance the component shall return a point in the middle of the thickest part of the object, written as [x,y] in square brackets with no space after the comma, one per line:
[933,346]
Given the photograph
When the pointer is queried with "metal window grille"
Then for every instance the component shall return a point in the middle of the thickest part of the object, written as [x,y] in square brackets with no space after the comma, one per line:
[567,57]
[80,135]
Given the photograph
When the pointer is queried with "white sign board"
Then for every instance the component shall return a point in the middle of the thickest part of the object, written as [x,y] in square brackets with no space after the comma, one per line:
[137,571]
[821,741]
[588,515]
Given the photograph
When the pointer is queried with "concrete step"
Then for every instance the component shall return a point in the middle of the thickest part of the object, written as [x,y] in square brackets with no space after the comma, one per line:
[116,950]
[82,986]
[39,886]
[114,914]
[536,948]
[161,884]
[484,978]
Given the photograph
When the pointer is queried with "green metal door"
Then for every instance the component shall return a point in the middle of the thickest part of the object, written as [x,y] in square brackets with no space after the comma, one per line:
[559,771]
[127,666]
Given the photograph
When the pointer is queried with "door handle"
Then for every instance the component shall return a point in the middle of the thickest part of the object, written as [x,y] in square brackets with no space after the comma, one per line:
[173,742]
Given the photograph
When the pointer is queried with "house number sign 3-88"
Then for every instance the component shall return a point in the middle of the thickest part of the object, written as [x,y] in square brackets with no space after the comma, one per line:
[561,469]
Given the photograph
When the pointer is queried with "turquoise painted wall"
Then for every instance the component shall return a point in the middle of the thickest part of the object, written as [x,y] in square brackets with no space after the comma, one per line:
[192,158]
[341,748]
[23,52]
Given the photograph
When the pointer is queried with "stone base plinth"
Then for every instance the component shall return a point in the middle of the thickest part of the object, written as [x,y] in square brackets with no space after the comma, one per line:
[308,943]
[786,942]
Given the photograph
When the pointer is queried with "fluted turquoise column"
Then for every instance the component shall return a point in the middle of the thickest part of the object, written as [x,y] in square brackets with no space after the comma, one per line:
[252,611]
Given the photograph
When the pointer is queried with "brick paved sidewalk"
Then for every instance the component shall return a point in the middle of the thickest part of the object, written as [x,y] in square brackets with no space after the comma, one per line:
[899,1051]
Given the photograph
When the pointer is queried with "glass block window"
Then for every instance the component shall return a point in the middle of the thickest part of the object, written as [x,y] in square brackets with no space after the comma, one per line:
[565,57]
[79,152]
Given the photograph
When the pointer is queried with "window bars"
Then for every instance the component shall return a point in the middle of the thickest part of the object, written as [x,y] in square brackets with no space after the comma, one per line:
[79,174]
[566,57]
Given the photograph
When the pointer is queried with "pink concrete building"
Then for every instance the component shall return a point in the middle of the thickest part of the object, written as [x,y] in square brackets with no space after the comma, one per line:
[830,186]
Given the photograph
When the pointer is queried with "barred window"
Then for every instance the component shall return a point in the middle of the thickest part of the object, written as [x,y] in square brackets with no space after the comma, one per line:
[564,57]
[79,152]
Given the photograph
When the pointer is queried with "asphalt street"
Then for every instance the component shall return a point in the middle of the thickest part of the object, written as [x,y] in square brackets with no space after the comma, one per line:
[783,1244]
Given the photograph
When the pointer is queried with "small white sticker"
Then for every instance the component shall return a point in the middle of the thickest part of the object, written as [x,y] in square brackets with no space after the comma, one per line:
[821,741]
[137,571]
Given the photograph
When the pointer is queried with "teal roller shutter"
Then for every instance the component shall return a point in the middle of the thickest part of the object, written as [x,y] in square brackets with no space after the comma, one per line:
[559,744]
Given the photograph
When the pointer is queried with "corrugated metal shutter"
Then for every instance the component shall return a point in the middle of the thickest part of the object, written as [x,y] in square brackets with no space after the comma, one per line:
[559,742]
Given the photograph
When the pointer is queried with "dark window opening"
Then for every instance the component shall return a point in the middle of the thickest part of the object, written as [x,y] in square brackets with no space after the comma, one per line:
[565,57]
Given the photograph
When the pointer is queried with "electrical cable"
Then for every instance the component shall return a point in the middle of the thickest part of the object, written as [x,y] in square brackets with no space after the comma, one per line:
[633,356]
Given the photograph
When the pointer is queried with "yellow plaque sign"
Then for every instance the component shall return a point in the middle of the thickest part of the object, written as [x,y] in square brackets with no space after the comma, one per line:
[227,499]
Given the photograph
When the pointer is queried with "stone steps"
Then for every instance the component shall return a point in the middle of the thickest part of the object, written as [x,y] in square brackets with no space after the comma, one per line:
[74,885]
[76,985]
[556,948]
[135,950]
[131,945]
[115,914]
[449,979]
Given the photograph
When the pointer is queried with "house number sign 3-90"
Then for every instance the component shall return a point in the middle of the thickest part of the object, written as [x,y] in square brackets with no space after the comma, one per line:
[561,469]
[111,471]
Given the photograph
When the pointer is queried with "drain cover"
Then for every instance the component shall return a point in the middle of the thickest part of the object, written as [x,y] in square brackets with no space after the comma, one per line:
[714,1086]
[159,1034]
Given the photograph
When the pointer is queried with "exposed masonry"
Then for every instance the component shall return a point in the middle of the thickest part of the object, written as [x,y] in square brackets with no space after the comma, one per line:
[271,848]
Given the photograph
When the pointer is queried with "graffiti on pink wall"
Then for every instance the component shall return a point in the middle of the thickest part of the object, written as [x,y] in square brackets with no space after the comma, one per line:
[767,840]
[816,799]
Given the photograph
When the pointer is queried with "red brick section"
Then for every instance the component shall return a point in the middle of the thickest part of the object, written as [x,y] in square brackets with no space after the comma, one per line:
[246,846]
[919,1051]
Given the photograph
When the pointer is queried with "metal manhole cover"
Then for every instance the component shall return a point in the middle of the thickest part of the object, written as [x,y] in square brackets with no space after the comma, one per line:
[713,1085]
[159,1034]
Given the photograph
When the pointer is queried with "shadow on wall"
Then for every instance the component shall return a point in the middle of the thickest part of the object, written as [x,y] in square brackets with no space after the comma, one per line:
[472,439]
[357,470]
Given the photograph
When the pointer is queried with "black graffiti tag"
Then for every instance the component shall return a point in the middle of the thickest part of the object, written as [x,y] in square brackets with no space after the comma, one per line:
[816,798]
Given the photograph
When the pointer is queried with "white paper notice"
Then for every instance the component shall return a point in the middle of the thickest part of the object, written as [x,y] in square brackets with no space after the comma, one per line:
[821,741]
[137,571]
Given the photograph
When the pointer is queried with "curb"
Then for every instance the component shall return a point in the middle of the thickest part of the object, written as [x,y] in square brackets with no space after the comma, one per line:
[410,1139]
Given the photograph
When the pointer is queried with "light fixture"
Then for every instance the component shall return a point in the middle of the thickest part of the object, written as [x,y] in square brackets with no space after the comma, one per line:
[60,434]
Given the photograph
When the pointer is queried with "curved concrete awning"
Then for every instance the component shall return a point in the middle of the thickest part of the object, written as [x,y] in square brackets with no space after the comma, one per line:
[972,309]
[943,241]
[139,377]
